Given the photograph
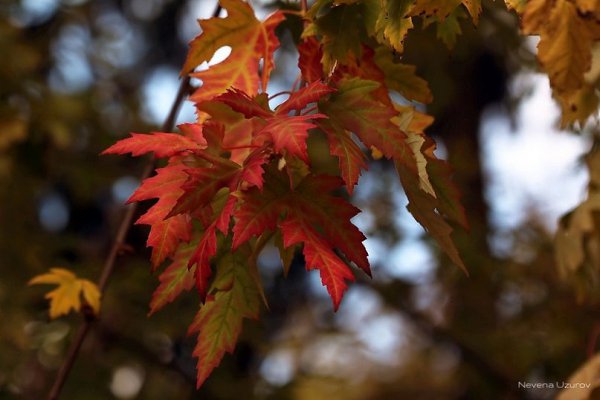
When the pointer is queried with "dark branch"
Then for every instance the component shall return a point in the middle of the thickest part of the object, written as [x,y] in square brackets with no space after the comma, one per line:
[118,245]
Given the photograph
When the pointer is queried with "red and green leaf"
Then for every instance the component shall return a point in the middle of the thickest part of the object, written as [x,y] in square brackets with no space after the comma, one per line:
[165,232]
[175,279]
[354,109]
[351,158]
[233,297]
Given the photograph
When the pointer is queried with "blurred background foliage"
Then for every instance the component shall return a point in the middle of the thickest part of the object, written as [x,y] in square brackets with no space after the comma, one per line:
[75,75]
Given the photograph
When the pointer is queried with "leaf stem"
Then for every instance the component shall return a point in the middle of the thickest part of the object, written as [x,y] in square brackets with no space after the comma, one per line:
[279,94]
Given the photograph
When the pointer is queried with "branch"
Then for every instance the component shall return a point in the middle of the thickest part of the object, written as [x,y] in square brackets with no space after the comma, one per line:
[133,345]
[117,248]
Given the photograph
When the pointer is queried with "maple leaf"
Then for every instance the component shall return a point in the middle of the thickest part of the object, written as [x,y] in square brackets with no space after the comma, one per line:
[242,103]
[165,232]
[434,174]
[351,158]
[440,8]
[339,44]
[253,168]
[577,106]
[354,109]
[565,47]
[234,296]
[365,68]
[577,234]
[535,16]
[207,246]
[67,296]
[310,201]
[309,59]
[416,142]
[175,279]
[392,21]
[318,254]
[402,78]
[285,253]
[228,131]
[447,194]
[299,99]
[474,8]
[517,5]
[250,40]
[589,6]
[423,206]
[202,184]
[448,29]
[259,210]
[288,133]
[162,144]
[576,229]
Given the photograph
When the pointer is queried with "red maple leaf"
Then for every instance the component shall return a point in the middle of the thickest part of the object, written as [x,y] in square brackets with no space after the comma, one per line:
[165,232]
[319,255]
[309,61]
[162,144]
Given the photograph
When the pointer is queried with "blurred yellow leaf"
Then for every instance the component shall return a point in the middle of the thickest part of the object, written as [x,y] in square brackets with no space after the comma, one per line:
[535,16]
[584,384]
[517,5]
[12,131]
[565,47]
[68,294]
[589,6]
[578,106]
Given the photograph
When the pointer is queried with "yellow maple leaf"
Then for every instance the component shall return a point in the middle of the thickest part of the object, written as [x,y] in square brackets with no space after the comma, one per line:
[68,294]
[517,5]
[535,16]
[589,6]
[578,106]
[565,47]
[474,8]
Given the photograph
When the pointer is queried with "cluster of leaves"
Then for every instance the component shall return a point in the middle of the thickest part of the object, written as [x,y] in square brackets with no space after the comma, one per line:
[576,243]
[567,51]
[242,175]
[569,32]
